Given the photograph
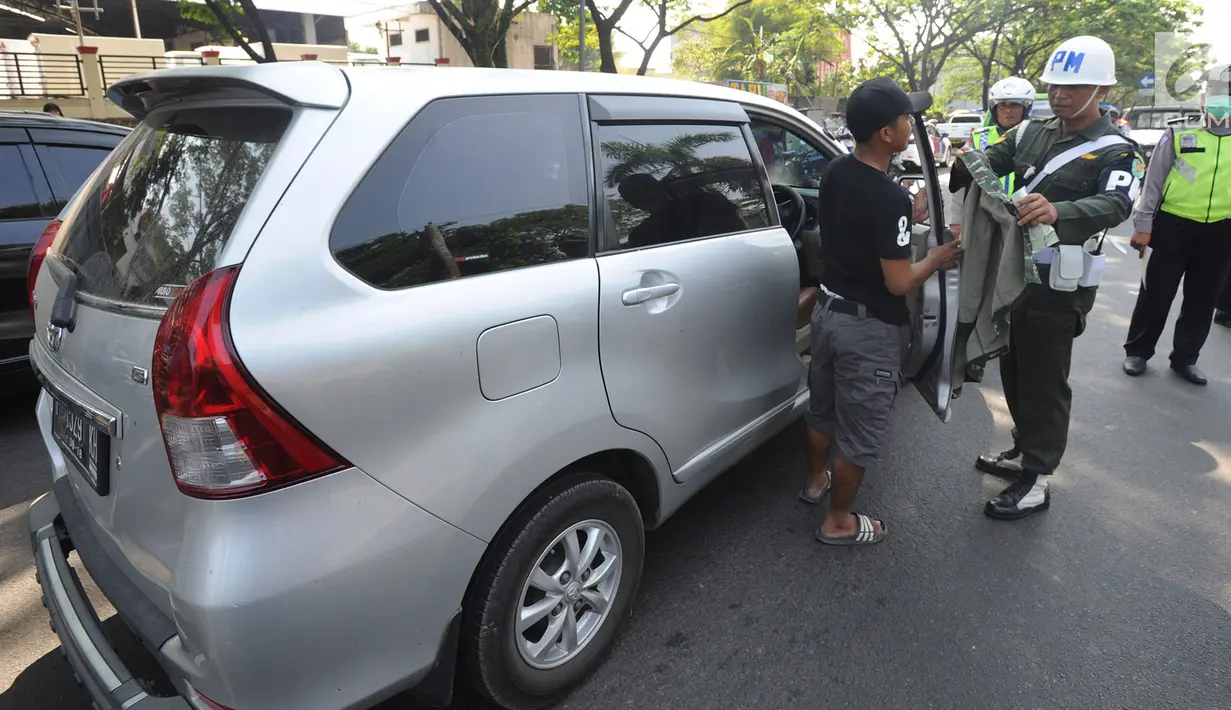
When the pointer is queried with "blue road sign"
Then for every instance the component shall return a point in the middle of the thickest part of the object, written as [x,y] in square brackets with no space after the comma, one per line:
[1146,82]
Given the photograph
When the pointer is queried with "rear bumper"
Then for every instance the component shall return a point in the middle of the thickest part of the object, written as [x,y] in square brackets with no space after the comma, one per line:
[107,681]
[362,602]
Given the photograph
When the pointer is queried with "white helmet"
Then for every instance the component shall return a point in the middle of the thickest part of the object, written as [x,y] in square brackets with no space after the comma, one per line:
[1012,90]
[1082,60]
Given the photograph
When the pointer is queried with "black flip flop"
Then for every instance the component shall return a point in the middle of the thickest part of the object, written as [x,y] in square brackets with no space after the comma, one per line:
[803,492]
[865,535]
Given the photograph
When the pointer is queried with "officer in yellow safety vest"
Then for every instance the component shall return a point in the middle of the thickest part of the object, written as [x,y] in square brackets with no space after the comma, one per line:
[1008,103]
[1183,225]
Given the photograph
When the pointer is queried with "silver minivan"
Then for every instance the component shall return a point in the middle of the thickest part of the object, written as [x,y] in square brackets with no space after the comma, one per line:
[357,380]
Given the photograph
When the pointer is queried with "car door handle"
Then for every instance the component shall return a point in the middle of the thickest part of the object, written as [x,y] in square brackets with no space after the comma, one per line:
[634,296]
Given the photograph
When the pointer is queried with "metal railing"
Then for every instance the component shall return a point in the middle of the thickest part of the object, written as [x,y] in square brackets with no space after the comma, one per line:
[116,67]
[36,75]
[375,62]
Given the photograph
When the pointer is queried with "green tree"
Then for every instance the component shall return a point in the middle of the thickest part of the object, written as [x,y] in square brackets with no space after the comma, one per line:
[357,49]
[671,18]
[605,24]
[920,36]
[232,19]
[565,38]
[481,26]
[1129,26]
[848,78]
[770,40]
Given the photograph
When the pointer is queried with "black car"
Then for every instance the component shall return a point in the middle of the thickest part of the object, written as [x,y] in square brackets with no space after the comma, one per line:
[43,160]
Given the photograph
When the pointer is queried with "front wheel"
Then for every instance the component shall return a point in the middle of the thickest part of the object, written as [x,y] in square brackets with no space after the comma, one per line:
[553,592]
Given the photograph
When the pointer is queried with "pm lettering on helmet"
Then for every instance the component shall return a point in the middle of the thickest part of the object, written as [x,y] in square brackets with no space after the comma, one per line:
[1068,61]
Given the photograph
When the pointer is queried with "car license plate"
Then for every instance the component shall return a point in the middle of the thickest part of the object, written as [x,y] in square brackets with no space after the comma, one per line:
[83,444]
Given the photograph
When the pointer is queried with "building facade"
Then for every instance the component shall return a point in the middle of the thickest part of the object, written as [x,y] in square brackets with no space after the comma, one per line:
[415,34]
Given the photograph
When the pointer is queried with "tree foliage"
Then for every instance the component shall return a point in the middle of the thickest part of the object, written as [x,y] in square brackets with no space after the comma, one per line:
[565,38]
[232,19]
[920,36]
[481,26]
[779,41]
[671,18]
[1019,43]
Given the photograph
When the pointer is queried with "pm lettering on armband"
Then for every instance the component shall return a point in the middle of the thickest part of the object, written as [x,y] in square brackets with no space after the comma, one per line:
[1124,182]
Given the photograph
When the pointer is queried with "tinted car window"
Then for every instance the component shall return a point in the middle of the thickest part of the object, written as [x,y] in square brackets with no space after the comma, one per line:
[668,183]
[789,159]
[17,176]
[164,204]
[471,186]
[69,166]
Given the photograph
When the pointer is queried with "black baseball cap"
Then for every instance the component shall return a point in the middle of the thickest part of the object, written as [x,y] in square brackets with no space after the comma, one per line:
[879,102]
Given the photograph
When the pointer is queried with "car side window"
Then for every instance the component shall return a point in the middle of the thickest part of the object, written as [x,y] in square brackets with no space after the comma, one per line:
[789,159]
[668,183]
[18,199]
[68,166]
[471,186]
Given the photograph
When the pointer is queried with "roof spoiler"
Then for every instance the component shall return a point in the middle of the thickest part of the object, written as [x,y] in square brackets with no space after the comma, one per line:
[313,84]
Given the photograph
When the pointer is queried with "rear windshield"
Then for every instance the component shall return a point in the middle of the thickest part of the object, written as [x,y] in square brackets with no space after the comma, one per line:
[966,119]
[166,201]
[1161,118]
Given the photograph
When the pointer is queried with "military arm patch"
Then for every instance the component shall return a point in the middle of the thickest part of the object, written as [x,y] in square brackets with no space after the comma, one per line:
[1139,168]
[1120,175]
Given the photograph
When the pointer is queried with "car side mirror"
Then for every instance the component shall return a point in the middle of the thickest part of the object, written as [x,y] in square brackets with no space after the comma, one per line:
[912,183]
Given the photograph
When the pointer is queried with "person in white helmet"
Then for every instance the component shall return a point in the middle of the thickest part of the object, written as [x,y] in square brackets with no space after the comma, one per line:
[1079,174]
[1008,103]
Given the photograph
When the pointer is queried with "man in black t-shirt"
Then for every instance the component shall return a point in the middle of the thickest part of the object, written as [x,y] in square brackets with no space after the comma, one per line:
[865,219]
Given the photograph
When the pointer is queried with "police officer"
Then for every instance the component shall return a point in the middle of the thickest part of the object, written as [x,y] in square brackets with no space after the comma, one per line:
[1008,103]
[1184,215]
[1080,173]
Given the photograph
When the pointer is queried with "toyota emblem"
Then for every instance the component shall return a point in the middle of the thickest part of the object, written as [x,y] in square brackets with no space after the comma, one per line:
[55,336]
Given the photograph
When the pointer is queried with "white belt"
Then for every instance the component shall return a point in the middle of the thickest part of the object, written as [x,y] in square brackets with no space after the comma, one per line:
[1072,266]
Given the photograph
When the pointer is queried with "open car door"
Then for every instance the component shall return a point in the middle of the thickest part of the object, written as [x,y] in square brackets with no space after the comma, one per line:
[927,360]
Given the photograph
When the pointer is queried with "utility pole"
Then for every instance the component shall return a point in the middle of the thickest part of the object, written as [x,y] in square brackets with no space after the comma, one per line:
[136,20]
[581,38]
[75,8]
[77,19]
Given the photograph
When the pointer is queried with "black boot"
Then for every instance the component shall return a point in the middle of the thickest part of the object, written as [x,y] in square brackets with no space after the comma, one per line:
[1029,494]
[1007,464]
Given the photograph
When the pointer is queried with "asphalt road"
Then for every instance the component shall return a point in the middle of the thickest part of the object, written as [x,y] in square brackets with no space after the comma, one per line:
[1118,597]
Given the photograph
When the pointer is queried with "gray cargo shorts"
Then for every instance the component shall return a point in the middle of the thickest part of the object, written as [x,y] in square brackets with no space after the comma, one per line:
[854,379]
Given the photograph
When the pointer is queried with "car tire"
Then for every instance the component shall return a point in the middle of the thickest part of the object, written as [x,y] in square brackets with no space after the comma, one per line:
[498,657]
